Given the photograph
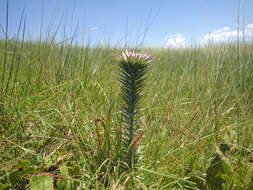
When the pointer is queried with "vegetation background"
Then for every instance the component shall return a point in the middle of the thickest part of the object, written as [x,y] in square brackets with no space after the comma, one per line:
[59,103]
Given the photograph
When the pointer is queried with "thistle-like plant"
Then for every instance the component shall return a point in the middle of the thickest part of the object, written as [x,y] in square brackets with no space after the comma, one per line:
[133,67]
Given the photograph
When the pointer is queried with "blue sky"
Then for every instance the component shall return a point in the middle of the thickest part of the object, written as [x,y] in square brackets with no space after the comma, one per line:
[174,23]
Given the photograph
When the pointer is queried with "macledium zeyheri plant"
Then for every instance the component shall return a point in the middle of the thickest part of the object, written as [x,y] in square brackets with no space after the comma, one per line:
[133,67]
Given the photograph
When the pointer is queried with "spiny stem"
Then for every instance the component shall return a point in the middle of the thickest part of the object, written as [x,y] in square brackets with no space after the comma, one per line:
[133,67]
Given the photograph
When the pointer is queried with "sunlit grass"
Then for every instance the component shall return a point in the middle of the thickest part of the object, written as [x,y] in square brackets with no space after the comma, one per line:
[193,100]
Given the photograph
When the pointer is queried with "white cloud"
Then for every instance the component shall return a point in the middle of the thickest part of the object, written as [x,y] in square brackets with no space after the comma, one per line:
[224,29]
[250,26]
[219,36]
[226,35]
[94,28]
[176,41]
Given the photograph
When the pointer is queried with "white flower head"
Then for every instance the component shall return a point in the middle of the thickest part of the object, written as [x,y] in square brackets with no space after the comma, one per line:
[132,56]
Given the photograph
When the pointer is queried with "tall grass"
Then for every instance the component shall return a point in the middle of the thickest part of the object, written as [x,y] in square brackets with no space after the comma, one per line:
[195,99]
[60,116]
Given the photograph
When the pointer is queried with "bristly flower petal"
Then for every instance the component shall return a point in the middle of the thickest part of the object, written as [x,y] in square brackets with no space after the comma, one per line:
[132,56]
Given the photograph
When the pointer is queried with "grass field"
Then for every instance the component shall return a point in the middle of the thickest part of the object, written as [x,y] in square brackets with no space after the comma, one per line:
[59,102]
